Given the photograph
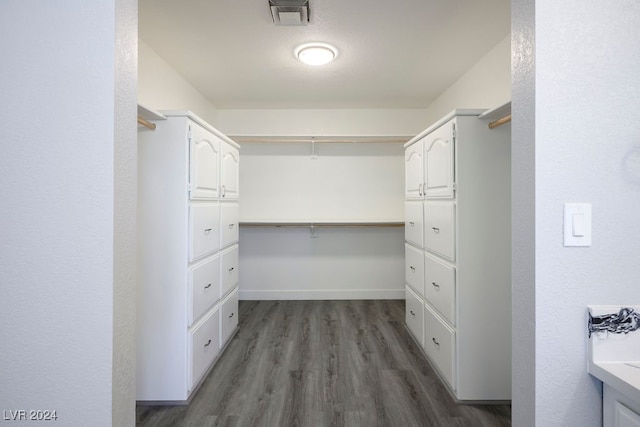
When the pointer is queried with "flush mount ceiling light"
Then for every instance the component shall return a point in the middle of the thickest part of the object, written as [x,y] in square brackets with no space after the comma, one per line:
[316,53]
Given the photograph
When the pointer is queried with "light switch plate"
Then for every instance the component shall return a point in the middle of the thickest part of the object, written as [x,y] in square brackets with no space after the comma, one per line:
[577,224]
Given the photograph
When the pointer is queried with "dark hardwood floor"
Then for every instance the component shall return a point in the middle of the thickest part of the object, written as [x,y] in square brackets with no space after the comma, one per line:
[323,363]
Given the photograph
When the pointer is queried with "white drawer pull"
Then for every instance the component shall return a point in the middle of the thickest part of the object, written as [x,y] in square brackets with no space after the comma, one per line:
[231,269]
[224,191]
[435,229]
[435,342]
[207,230]
[208,343]
[412,313]
[231,315]
[231,225]
[412,268]
[411,223]
[208,286]
[435,285]
[419,189]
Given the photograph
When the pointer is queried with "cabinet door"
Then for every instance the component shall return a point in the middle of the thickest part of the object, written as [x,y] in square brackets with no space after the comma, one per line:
[230,172]
[439,229]
[228,317]
[439,162]
[413,230]
[204,230]
[204,158]
[414,315]
[229,216]
[414,268]
[413,171]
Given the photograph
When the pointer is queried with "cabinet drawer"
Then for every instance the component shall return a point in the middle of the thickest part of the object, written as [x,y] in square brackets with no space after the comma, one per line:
[229,215]
[413,223]
[204,287]
[228,269]
[228,316]
[439,229]
[415,315]
[204,345]
[440,287]
[414,268]
[204,230]
[440,345]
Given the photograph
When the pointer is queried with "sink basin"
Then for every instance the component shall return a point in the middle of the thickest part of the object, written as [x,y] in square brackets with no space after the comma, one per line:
[614,358]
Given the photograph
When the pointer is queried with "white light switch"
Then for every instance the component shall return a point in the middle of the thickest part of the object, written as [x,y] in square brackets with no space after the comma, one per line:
[577,224]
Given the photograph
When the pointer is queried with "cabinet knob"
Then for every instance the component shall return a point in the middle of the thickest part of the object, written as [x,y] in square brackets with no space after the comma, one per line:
[411,223]
[435,229]
[207,230]
[420,189]
[412,313]
[208,343]
[412,268]
[435,342]
[231,269]
[231,315]
[224,191]
[435,285]
[208,286]
[231,225]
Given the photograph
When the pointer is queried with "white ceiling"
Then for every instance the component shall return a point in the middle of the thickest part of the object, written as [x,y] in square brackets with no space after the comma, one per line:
[392,54]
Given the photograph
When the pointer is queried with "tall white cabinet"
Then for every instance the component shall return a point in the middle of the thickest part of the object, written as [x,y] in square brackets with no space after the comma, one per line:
[187,299]
[458,253]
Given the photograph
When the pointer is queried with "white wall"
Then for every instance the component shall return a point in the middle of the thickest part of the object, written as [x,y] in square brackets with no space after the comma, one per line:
[485,85]
[582,145]
[361,182]
[68,99]
[160,87]
[342,182]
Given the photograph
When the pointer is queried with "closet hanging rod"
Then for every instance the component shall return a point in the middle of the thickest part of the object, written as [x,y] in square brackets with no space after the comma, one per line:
[146,123]
[342,140]
[494,124]
[321,224]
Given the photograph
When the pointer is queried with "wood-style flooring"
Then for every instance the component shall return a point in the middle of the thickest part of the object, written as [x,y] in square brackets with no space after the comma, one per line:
[323,363]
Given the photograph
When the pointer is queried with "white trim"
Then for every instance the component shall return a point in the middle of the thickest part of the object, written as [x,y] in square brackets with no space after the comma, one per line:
[324,294]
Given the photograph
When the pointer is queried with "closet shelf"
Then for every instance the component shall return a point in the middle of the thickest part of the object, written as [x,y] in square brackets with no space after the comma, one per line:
[147,115]
[388,139]
[498,116]
[331,224]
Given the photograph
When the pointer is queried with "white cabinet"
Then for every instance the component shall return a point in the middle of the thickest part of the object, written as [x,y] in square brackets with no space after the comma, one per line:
[413,171]
[230,176]
[204,161]
[618,410]
[187,242]
[415,315]
[439,163]
[466,249]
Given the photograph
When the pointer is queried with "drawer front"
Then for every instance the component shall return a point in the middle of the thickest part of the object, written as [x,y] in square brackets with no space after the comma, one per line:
[229,269]
[229,215]
[204,287]
[413,223]
[228,317]
[414,268]
[204,344]
[439,229]
[440,345]
[440,287]
[415,315]
[204,230]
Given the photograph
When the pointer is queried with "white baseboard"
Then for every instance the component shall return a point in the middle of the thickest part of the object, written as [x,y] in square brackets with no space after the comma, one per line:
[325,294]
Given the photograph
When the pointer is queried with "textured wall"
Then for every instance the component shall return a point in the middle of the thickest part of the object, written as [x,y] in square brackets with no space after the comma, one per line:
[587,145]
[57,231]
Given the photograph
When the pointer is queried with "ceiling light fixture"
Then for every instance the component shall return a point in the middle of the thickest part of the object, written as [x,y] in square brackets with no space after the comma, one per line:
[316,53]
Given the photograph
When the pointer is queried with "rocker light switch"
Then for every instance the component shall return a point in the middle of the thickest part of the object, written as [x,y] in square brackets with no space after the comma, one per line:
[577,224]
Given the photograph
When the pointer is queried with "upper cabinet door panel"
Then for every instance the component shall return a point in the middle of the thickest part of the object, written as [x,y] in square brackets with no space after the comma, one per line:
[413,171]
[230,172]
[439,162]
[204,158]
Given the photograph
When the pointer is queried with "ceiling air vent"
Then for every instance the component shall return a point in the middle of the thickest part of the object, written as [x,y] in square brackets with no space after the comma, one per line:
[289,12]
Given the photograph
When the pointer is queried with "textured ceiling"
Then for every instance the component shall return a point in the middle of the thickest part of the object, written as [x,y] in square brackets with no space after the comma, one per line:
[392,54]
